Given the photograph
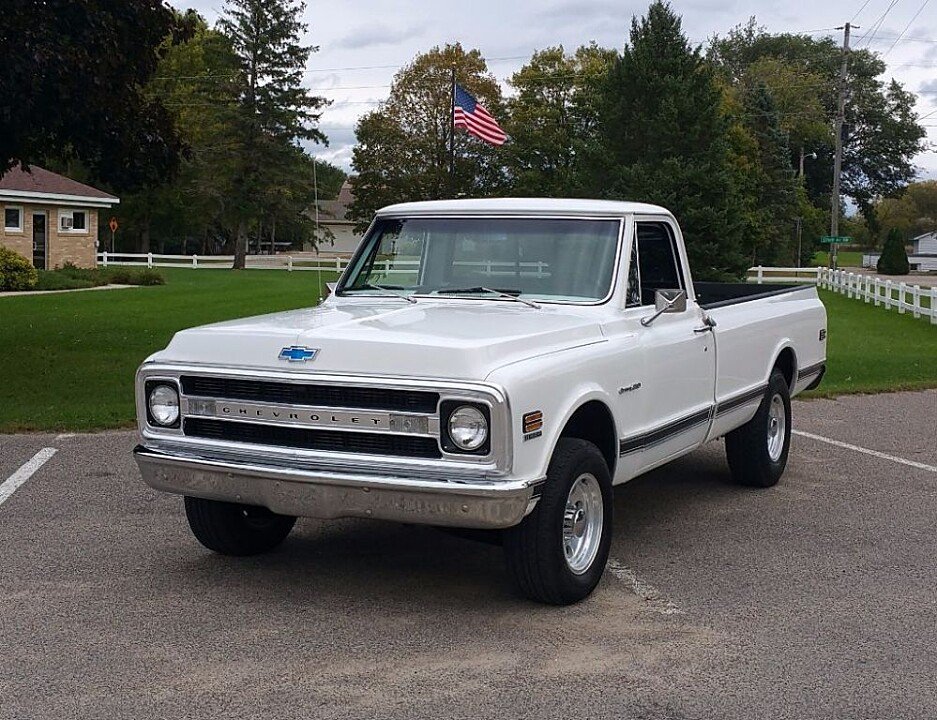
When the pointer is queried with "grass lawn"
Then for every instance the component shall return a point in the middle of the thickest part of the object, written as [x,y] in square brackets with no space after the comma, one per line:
[68,360]
[845,258]
[874,350]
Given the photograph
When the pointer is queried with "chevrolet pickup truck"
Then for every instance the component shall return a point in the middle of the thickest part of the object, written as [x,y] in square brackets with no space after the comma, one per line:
[492,364]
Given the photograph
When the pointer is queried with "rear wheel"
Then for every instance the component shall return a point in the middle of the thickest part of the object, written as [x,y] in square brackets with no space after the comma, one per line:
[557,554]
[235,529]
[757,451]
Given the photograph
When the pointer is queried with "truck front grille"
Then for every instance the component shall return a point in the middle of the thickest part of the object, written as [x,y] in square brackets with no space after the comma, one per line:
[313,439]
[335,396]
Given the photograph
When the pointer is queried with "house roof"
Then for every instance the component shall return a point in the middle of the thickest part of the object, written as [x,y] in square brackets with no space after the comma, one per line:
[41,185]
[336,211]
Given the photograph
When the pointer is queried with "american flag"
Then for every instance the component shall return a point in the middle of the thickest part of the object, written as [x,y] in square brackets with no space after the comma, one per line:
[468,113]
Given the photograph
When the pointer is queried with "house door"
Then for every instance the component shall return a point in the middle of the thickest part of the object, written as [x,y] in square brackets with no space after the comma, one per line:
[39,241]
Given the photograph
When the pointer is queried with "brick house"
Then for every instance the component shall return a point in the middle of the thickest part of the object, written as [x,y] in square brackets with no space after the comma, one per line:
[50,219]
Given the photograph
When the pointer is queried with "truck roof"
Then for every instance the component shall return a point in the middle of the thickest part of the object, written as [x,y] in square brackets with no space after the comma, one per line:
[523,206]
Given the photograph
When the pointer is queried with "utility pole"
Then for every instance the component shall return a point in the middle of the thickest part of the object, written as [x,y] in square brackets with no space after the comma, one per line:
[800,222]
[838,157]
[452,135]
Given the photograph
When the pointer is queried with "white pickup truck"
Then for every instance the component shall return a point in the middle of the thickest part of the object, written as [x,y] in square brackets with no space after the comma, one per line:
[495,364]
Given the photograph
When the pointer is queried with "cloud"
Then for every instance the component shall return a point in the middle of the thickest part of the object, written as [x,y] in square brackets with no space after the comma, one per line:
[376,35]
[928,87]
[341,141]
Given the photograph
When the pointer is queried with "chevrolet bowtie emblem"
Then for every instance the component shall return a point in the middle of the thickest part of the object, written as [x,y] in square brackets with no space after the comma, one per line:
[298,353]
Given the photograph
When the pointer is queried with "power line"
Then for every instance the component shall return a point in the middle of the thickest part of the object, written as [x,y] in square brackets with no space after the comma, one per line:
[910,23]
[876,26]
[859,11]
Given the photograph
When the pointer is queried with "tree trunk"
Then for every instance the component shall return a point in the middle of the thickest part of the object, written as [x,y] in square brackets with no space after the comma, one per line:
[145,234]
[273,236]
[240,246]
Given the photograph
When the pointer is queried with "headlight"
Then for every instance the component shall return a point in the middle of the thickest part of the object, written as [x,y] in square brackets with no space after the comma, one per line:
[163,404]
[468,428]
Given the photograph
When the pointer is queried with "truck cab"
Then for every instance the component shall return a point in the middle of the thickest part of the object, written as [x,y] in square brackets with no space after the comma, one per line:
[489,364]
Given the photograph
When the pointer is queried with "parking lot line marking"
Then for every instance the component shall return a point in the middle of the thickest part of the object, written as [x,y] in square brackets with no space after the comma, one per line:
[654,601]
[866,451]
[12,483]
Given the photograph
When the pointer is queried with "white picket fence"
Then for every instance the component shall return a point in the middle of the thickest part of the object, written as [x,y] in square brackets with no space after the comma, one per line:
[307,261]
[882,292]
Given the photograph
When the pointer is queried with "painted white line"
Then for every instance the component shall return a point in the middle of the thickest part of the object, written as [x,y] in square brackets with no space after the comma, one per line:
[866,451]
[12,483]
[64,436]
[654,601]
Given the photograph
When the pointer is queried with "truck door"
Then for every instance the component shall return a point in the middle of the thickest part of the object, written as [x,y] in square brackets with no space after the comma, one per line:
[679,359]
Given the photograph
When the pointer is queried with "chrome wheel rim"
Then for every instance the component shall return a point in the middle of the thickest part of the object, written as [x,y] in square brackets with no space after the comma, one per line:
[582,523]
[777,427]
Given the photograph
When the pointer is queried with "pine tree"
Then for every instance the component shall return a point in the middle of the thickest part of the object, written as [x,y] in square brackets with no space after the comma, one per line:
[771,181]
[894,258]
[665,140]
[274,109]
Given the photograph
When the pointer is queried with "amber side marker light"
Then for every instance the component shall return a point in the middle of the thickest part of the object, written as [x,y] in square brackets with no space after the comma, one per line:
[533,421]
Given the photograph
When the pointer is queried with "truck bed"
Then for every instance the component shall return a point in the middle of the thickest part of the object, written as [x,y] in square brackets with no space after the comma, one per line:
[715,294]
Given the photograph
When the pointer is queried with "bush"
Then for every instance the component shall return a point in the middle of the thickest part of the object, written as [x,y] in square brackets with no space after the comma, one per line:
[894,258]
[16,272]
[133,276]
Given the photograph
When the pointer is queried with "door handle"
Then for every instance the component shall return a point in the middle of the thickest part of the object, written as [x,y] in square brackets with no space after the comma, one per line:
[708,324]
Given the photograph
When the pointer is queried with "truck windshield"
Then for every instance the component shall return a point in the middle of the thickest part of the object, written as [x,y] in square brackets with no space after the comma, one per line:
[547,259]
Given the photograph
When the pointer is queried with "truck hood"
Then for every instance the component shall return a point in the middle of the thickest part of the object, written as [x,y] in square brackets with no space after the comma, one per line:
[461,339]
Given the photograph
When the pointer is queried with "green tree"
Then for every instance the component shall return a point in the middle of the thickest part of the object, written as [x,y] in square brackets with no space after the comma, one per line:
[894,258]
[665,139]
[768,180]
[553,120]
[71,79]
[881,135]
[195,78]
[403,146]
[275,110]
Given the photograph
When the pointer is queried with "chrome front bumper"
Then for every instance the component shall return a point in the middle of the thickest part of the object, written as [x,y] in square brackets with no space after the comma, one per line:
[334,494]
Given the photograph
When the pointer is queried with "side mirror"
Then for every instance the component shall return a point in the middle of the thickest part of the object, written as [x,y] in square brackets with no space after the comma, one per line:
[670,301]
[666,301]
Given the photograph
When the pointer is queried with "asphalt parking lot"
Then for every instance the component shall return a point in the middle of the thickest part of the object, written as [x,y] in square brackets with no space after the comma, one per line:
[814,599]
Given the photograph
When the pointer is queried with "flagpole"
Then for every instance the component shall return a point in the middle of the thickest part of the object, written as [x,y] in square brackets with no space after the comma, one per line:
[452,135]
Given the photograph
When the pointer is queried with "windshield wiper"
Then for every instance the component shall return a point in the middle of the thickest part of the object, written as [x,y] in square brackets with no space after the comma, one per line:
[389,292]
[505,294]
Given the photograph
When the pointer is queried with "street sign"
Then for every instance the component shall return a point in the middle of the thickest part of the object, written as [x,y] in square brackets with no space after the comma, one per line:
[836,239]
[113,224]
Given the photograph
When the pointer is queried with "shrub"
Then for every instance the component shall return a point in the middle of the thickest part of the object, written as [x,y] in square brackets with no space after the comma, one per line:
[133,276]
[57,280]
[16,272]
[894,258]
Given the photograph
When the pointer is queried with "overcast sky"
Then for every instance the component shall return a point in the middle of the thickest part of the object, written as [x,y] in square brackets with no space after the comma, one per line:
[363,43]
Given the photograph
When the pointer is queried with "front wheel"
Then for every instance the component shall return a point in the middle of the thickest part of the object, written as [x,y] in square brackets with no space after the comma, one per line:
[235,529]
[757,451]
[557,554]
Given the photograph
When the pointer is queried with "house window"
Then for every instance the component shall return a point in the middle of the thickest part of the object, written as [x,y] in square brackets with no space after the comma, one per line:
[73,221]
[13,219]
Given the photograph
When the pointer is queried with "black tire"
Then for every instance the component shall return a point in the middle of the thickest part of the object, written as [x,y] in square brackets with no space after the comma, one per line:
[535,548]
[234,529]
[747,451]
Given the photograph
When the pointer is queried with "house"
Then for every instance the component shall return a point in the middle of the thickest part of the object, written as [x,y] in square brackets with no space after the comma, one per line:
[333,217]
[50,219]
[925,244]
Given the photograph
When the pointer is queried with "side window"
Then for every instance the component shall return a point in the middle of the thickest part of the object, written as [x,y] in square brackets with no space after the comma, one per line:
[633,291]
[658,263]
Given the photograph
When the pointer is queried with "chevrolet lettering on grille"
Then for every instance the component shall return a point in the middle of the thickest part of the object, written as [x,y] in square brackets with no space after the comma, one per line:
[360,420]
